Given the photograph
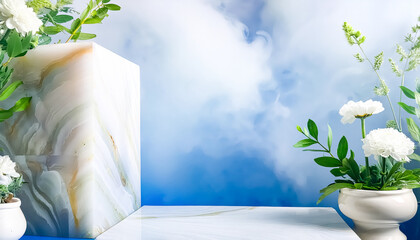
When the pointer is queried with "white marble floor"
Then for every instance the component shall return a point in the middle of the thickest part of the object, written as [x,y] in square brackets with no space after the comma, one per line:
[222,222]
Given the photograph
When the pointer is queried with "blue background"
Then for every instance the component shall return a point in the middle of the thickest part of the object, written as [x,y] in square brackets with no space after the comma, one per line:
[225,82]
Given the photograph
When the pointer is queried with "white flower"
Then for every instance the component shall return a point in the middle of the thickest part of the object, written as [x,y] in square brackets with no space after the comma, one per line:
[5,180]
[388,142]
[352,110]
[16,15]
[7,167]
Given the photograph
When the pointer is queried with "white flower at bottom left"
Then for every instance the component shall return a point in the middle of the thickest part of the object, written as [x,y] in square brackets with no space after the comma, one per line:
[7,167]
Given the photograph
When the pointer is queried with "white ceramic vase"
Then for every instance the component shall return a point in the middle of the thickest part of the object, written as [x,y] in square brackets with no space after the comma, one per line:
[12,220]
[377,214]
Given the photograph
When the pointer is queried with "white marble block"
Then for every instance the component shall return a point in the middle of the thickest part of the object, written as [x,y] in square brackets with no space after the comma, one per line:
[78,144]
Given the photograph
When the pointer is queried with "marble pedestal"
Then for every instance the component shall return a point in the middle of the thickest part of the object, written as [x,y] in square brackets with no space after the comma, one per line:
[78,144]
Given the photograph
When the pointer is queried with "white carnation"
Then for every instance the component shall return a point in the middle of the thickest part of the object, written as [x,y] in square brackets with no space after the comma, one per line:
[352,110]
[7,167]
[5,180]
[16,15]
[388,142]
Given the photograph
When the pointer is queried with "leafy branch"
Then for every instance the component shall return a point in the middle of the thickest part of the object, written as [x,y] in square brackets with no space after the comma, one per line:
[94,13]
[355,37]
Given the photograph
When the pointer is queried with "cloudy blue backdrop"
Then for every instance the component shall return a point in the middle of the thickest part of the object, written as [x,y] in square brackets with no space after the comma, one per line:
[224,83]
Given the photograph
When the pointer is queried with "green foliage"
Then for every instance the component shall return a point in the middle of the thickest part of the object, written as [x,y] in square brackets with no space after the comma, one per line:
[382,90]
[353,36]
[342,148]
[94,13]
[387,174]
[359,57]
[395,68]
[391,124]
[37,5]
[13,45]
[407,92]
[313,129]
[332,188]
[407,108]
[379,59]
[10,190]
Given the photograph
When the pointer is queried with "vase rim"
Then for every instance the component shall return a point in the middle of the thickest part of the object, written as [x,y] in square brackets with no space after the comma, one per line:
[374,192]
[14,204]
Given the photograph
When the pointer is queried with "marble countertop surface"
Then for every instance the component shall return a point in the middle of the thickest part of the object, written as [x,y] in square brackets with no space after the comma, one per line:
[222,222]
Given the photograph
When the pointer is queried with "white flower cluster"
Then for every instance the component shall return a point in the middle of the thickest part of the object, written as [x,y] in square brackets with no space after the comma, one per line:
[14,14]
[388,142]
[352,110]
[7,170]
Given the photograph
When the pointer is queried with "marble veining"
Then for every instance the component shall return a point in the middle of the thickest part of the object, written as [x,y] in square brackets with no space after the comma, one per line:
[78,144]
[223,222]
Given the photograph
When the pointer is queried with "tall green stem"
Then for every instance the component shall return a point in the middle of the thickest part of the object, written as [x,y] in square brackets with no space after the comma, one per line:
[364,135]
[383,169]
[382,82]
[403,79]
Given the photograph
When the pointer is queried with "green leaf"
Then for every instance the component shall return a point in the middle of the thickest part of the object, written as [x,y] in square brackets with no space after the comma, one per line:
[44,40]
[343,148]
[353,167]
[407,92]
[417,97]
[113,7]
[106,1]
[343,181]
[14,44]
[338,172]
[62,18]
[313,129]
[299,128]
[414,157]
[93,20]
[52,30]
[304,143]
[305,131]
[332,188]
[86,36]
[391,173]
[9,90]
[85,12]
[329,141]
[21,104]
[75,24]
[418,85]
[314,150]
[413,129]
[5,114]
[26,42]
[409,109]
[328,162]
[102,12]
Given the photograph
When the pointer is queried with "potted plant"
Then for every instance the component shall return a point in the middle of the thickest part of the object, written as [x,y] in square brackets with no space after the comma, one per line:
[377,197]
[12,220]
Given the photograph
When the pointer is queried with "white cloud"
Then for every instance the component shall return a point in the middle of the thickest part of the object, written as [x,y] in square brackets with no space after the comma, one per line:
[206,85]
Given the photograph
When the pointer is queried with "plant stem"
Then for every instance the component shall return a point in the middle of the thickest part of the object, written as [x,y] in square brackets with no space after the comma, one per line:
[7,63]
[83,21]
[403,79]
[382,82]
[328,151]
[363,136]
[383,169]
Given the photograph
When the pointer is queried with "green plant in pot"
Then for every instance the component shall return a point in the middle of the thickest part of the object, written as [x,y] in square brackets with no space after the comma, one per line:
[379,196]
